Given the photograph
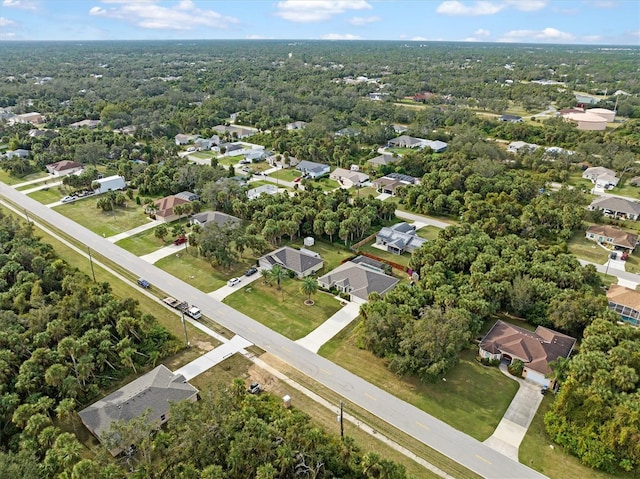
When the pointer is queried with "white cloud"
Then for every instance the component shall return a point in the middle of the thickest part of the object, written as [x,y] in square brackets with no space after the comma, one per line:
[419,39]
[601,3]
[23,4]
[359,21]
[339,36]
[527,5]
[481,32]
[148,14]
[546,35]
[454,7]
[7,36]
[308,11]
[5,22]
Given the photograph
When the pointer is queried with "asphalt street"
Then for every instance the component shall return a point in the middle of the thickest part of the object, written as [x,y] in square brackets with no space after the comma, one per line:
[452,443]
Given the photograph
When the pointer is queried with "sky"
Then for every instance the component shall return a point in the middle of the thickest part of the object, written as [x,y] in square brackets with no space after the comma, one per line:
[611,22]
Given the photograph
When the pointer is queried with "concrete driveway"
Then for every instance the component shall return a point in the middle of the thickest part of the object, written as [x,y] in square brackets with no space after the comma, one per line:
[510,432]
[332,326]
[225,291]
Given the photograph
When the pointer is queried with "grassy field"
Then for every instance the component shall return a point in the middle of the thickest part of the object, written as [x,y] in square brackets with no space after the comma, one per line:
[586,249]
[625,189]
[8,179]
[85,213]
[577,181]
[203,155]
[400,259]
[145,242]
[50,195]
[472,399]
[326,183]
[286,174]
[365,192]
[283,310]
[230,160]
[428,232]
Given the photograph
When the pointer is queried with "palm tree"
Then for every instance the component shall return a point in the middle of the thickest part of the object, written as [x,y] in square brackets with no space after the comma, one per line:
[308,287]
[278,274]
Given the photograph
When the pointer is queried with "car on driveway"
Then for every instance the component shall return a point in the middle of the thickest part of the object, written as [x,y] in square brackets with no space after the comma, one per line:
[233,281]
[67,199]
[251,271]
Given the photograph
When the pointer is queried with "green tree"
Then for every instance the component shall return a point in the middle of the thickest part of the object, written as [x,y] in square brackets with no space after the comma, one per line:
[308,287]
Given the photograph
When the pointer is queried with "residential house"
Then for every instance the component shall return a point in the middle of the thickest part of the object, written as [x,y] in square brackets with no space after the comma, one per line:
[612,236]
[399,129]
[313,170]
[268,189]
[626,302]
[536,350]
[126,130]
[349,178]
[635,181]
[188,196]
[358,280]
[406,141]
[110,183]
[35,133]
[601,177]
[153,392]
[34,118]
[389,183]
[399,238]
[556,150]
[521,146]
[19,153]
[164,208]
[256,155]
[206,144]
[182,139]
[91,124]
[64,167]
[348,131]
[236,131]
[217,217]
[275,162]
[510,118]
[302,262]
[383,160]
[616,207]
[296,125]
[436,146]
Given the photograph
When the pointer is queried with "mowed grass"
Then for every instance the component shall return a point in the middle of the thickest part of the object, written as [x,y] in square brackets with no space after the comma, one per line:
[286,174]
[365,192]
[402,259]
[283,310]
[429,232]
[8,179]
[85,213]
[473,398]
[588,250]
[144,242]
[49,195]
[202,155]
[333,254]
[535,452]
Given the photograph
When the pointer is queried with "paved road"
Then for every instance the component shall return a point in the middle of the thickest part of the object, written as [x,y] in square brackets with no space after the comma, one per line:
[421,219]
[452,443]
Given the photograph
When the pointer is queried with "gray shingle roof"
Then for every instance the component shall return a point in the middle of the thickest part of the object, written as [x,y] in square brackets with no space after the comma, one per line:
[359,280]
[292,259]
[617,204]
[217,217]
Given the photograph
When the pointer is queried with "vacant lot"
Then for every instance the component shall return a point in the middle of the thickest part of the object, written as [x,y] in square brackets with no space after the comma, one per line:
[283,310]
[286,175]
[145,242]
[8,179]
[49,195]
[472,399]
[587,250]
[396,258]
[86,213]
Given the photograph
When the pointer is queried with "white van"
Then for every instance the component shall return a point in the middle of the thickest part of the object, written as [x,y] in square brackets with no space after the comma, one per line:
[194,312]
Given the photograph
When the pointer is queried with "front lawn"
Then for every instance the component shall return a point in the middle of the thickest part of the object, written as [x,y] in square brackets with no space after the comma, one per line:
[283,310]
[365,192]
[473,398]
[286,174]
[8,179]
[85,213]
[429,232]
[202,155]
[144,243]
[586,249]
[49,195]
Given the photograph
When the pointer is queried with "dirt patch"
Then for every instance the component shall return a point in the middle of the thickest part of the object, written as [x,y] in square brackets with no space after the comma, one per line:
[203,345]
[267,380]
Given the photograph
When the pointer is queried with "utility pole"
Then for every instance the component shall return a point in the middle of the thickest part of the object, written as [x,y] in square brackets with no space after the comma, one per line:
[341,420]
[184,326]
[27,215]
[91,263]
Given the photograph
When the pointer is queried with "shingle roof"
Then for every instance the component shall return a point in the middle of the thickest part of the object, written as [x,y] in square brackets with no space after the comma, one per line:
[617,204]
[154,390]
[384,160]
[400,236]
[359,280]
[217,217]
[536,349]
[292,259]
[624,296]
[619,237]
[65,165]
[164,206]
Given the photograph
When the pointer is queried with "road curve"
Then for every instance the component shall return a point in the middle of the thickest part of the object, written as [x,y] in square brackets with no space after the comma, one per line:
[452,443]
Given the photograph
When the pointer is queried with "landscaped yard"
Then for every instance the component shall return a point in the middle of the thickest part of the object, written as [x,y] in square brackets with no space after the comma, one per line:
[283,310]
[428,232]
[365,192]
[402,259]
[288,174]
[473,398]
[8,179]
[145,242]
[587,250]
[85,213]
[49,195]
[326,183]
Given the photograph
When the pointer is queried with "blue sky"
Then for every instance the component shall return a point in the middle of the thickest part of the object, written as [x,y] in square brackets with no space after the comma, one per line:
[536,21]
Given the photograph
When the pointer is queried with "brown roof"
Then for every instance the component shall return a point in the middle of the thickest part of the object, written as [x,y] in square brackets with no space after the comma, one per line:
[624,296]
[65,165]
[536,349]
[619,237]
[164,206]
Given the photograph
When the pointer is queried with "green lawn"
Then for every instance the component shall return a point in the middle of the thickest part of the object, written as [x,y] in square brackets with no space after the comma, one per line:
[85,213]
[332,253]
[144,243]
[400,259]
[625,189]
[587,250]
[229,160]
[428,232]
[326,183]
[202,155]
[283,310]
[288,174]
[8,179]
[365,192]
[576,180]
[473,398]
[49,195]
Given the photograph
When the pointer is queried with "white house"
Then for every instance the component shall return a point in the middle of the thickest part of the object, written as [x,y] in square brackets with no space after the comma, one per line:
[312,169]
[264,189]
[110,183]
[349,178]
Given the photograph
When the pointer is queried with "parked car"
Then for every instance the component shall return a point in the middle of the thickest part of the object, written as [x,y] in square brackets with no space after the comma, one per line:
[245,162]
[233,281]
[251,271]
[194,312]
[144,283]
[298,179]
[191,149]
[67,199]
[255,388]
[180,240]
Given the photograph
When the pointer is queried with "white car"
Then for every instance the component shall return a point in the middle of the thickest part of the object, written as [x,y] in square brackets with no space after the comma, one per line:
[233,281]
[67,199]
[191,149]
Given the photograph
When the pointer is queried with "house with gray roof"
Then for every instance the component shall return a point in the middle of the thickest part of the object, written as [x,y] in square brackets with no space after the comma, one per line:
[154,391]
[312,169]
[302,262]
[383,160]
[236,131]
[296,125]
[268,189]
[19,153]
[601,177]
[188,196]
[436,146]
[217,217]
[399,238]
[616,207]
[358,281]
[349,178]
[406,141]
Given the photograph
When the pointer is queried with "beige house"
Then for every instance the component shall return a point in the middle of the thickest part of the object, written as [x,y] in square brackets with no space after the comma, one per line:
[612,236]
[164,208]
[64,167]
[348,178]
[625,302]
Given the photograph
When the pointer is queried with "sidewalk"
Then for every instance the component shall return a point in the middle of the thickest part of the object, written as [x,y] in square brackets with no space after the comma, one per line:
[31,182]
[332,326]
[42,187]
[162,253]
[134,231]
[216,356]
